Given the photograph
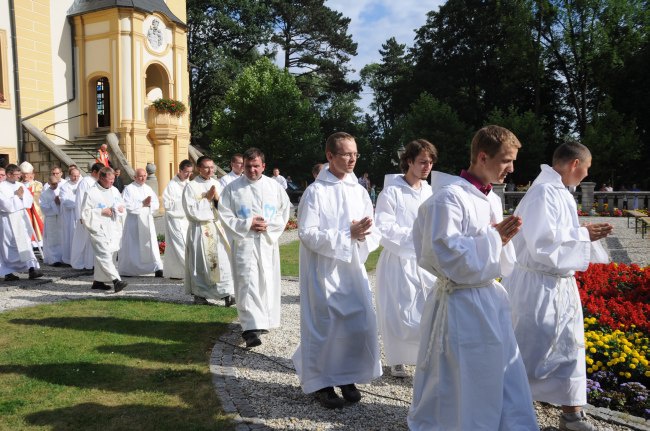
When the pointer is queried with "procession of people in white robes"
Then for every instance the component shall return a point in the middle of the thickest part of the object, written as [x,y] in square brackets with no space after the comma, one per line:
[483,350]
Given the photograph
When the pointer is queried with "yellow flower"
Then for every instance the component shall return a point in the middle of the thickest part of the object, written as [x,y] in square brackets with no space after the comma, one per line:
[592,350]
[628,375]
[632,366]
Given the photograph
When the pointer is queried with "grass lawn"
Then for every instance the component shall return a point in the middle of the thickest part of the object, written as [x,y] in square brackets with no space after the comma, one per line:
[110,365]
[289,259]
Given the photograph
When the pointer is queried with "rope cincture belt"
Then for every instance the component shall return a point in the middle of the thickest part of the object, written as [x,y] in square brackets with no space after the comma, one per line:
[566,299]
[443,288]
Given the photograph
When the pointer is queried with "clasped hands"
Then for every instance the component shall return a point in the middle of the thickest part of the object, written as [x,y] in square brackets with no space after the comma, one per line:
[508,228]
[108,212]
[259,224]
[359,229]
[598,230]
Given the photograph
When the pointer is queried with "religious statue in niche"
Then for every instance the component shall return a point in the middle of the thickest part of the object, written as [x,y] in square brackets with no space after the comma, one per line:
[155,35]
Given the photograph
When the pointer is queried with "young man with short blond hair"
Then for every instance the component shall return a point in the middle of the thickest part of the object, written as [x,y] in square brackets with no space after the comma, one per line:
[469,372]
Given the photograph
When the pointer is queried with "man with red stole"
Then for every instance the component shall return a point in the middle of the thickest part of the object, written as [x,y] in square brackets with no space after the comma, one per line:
[34,212]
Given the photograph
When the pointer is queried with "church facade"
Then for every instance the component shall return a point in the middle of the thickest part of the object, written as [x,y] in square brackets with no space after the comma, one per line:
[78,73]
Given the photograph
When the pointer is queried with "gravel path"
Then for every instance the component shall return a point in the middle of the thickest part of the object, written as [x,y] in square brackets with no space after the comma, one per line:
[260,388]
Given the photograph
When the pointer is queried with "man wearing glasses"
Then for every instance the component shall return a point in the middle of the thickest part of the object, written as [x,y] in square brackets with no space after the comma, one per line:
[338,340]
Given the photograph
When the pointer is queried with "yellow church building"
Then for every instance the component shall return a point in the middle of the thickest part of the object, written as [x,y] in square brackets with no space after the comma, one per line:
[75,74]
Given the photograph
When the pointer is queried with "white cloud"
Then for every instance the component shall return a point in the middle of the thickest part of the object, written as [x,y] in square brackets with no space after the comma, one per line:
[375,21]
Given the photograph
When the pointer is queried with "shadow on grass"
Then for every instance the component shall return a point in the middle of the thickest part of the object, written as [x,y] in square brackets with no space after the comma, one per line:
[162,330]
[107,377]
[92,416]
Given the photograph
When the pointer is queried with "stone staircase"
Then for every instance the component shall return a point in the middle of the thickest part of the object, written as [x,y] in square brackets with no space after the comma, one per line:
[83,149]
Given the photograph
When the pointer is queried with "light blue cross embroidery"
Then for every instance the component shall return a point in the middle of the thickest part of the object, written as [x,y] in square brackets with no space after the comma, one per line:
[243,212]
[269,211]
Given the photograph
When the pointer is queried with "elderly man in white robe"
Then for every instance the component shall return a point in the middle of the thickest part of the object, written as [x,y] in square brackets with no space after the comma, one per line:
[236,170]
[338,326]
[103,212]
[469,373]
[82,255]
[53,226]
[546,308]
[139,253]
[208,272]
[16,253]
[69,216]
[402,286]
[255,209]
[176,223]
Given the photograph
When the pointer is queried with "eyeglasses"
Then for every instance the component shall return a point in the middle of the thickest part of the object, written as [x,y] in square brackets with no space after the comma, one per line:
[349,155]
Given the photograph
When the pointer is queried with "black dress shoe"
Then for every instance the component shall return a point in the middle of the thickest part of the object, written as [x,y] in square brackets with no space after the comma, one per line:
[158,274]
[351,393]
[57,264]
[328,398]
[34,274]
[229,300]
[119,285]
[100,285]
[11,277]
[251,338]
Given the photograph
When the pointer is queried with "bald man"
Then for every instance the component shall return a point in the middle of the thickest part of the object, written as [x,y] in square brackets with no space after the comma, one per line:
[139,253]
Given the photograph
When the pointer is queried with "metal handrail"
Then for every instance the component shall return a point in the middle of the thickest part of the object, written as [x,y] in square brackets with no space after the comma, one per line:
[65,120]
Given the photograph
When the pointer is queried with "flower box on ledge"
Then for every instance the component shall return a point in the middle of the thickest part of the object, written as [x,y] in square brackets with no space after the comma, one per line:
[165,113]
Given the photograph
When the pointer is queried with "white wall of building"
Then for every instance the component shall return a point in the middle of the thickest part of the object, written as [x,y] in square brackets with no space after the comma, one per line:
[8,136]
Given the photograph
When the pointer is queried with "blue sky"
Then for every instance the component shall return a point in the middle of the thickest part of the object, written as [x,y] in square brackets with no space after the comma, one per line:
[375,21]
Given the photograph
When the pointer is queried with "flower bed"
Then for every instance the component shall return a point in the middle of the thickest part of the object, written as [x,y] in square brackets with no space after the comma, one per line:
[291,224]
[615,300]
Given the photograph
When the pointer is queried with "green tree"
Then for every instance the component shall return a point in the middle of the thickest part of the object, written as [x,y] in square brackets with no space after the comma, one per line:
[530,132]
[265,109]
[315,46]
[222,40]
[436,122]
[614,145]
[585,41]
[476,56]
[389,80]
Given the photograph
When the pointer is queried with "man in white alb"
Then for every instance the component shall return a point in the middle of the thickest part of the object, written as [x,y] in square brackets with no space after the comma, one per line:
[236,170]
[53,226]
[469,374]
[69,216]
[176,223]
[338,325]
[279,178]
[102,212]
[16,253]
[402,286]
[255,209]
[208,273]
[139,253]
[82,255]
[546,308]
